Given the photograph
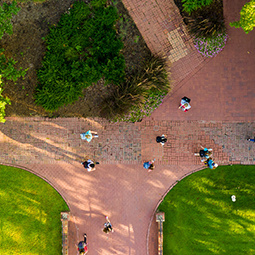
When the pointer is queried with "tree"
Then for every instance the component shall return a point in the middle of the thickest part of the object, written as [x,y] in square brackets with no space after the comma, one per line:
[247,19]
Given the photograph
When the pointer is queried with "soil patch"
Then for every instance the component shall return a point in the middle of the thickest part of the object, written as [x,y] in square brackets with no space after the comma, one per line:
[26,46]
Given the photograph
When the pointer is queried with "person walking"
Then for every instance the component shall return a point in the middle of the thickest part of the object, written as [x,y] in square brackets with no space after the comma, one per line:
[251,140]
[161,139]
[149,165]
[89,165]
[89,135]
[82,246]
[204,153]
[211,164]
[184,105]
[107,226]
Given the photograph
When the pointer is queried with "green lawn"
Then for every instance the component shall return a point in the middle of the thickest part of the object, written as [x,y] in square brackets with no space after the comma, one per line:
[201,217]
[29,214]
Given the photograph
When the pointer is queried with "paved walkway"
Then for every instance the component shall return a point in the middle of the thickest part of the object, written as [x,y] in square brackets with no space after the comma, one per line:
[120,187]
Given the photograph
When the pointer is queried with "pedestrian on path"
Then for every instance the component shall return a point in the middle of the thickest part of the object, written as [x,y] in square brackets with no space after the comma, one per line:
[211,164]
[184,105]
[204,153]
[149,165]
[89,135]
[251,140]
[161,139]
[89,165]
[107,226]
[82,246]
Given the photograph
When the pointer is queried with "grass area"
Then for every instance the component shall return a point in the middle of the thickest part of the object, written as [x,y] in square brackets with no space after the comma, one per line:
[30,214]
[201,217]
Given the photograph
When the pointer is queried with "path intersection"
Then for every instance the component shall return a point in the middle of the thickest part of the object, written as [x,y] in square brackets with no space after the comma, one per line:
[221,117]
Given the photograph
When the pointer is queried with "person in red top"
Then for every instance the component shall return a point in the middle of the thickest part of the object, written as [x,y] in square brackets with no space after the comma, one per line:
[82,246]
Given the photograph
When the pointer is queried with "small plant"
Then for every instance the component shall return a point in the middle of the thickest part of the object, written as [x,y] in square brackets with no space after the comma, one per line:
[247,18]
[3,102]
[7,68]
[6,12]
[192,5]
[210,47]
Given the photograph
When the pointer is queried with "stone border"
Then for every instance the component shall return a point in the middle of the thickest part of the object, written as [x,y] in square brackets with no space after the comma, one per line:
[161,199]
[65,217]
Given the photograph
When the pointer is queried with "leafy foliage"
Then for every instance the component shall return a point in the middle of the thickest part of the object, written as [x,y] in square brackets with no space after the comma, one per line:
[6,12]
[247,19]
[81,49]
[3,102]
[210,47]
[207,21]
[133,96]
[7,68]
[192,5]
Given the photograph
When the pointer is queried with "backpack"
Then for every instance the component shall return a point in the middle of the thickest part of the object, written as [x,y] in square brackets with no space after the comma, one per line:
[86,164]
[186,99]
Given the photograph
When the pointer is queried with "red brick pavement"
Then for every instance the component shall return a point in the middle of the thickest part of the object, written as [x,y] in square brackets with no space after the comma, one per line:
[223,88]
[120,187]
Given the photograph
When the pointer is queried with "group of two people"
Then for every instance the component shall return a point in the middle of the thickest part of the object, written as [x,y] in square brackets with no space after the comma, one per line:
[149,165]
[89,165]
[206,157]
[83,245]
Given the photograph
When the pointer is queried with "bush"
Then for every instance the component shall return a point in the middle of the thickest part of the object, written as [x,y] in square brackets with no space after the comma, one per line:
[247,19]
[210,47]
[3,102]
[81,49]
[139,95]
[6,12]
[7,68]
[192,5]
[207,21]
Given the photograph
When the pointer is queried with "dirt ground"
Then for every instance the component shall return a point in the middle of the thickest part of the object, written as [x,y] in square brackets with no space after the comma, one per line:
[26,46]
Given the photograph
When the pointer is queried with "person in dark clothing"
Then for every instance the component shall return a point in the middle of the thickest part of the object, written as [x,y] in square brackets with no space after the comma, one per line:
[251,140]
[89,165]
[82,246]
[107,226]
[204,153]
[161,139]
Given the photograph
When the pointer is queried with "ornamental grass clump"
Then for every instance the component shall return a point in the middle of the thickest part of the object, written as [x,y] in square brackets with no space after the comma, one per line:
[137,113]
[207,21]
[139,95]
[210,47]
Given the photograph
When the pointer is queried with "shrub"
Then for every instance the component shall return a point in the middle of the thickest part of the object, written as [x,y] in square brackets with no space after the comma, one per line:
[81,49]
[3,102]
[138,95]
[192,5]
[210,47]
[6,12]
[207,21]
[7,68]
[247,19]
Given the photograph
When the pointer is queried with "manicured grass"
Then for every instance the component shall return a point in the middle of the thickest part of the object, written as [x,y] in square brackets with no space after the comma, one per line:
[201,217]
[30,214]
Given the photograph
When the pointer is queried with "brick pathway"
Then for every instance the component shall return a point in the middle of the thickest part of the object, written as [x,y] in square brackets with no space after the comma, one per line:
[120,187]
